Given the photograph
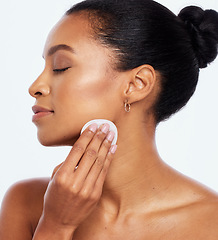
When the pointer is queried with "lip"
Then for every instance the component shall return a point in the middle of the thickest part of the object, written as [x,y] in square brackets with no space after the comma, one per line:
[40,112]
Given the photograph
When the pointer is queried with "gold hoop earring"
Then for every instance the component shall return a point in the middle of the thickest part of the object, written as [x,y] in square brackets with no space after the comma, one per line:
[127,106]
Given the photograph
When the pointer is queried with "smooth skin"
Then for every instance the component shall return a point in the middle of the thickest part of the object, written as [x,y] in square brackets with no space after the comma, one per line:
[131,194]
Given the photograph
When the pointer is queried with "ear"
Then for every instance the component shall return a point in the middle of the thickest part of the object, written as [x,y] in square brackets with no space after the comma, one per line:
[140,84]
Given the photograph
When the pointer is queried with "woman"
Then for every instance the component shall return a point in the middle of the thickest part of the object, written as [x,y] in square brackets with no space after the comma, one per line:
[134,63]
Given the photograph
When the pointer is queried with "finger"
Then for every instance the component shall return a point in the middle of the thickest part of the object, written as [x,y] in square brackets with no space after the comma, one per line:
[92,153]
[104,171]
[79,148]
[94,186]
[103,158]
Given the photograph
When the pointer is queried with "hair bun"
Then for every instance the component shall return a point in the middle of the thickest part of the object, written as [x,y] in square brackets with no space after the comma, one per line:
[203,29]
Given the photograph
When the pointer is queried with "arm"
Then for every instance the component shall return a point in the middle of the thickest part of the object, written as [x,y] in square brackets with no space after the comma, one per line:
[45,231]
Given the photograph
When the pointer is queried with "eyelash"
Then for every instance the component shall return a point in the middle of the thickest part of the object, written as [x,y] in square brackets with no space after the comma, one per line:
[60,70]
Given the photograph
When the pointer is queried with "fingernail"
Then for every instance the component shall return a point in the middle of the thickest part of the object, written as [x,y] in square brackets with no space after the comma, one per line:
[110,136]
[113,149]
[105,128]
[93,127]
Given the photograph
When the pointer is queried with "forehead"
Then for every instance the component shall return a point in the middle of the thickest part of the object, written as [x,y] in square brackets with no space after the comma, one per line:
[72,30]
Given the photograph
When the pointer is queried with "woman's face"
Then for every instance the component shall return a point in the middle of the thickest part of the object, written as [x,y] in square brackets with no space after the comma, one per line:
[77,84]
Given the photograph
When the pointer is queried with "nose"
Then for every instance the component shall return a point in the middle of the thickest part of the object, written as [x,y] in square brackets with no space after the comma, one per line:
[39,87]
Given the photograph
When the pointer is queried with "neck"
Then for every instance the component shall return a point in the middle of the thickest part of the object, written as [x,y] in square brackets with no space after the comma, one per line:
[135,174]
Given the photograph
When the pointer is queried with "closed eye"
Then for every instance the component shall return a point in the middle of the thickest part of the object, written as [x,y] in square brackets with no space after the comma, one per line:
[60,70]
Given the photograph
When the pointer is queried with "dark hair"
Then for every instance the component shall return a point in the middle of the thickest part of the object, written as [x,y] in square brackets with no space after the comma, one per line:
[145,32]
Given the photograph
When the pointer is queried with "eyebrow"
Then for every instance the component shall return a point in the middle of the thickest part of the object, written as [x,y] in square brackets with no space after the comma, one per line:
[58,47]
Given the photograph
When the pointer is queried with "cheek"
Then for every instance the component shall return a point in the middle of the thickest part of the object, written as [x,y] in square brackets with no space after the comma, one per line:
[81,98]
[86,92]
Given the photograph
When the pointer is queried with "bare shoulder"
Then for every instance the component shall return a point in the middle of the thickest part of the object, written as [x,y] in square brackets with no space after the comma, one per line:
[26,193]
[21,209]
[201,218]
[199,213]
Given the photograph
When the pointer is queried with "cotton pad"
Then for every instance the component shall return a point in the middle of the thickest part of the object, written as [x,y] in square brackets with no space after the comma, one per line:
[100,122]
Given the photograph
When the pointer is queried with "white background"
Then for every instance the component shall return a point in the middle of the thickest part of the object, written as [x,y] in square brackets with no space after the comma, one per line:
[188,141]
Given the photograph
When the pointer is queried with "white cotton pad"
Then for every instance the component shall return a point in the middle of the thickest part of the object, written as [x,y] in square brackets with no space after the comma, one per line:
[100,122]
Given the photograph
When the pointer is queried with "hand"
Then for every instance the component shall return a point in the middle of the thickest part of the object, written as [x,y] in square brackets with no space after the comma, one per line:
[76,184]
